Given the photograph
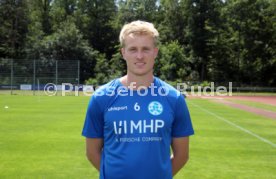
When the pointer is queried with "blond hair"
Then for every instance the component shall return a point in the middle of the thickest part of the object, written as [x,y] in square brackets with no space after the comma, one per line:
[138,28]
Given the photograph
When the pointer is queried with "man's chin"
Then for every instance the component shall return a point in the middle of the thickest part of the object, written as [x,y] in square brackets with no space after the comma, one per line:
[142,73]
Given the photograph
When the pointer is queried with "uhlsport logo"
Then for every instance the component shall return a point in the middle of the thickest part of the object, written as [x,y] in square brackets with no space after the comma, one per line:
[155,108]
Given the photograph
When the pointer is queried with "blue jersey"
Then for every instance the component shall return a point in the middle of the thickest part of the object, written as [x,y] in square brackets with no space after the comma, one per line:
[137,127]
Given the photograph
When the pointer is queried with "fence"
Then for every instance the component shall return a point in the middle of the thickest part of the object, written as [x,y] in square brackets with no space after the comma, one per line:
[32,76]
[22,76]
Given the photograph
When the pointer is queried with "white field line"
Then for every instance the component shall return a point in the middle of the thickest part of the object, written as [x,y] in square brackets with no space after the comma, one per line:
[235,125]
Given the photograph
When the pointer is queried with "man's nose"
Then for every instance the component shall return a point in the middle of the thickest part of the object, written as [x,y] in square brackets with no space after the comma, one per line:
[139,55]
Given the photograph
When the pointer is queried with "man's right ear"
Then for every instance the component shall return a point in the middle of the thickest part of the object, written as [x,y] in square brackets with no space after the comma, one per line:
[123,53]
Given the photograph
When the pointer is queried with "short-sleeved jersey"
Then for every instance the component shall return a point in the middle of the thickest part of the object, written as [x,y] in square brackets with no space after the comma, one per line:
[137,127]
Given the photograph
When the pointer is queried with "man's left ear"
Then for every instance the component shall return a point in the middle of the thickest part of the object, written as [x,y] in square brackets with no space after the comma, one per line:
[156,50]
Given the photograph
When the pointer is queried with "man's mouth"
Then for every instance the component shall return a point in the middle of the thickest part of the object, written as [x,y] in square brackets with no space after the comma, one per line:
[140,64]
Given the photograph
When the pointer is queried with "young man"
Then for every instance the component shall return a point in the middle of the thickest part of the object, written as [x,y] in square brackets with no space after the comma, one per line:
[133,121]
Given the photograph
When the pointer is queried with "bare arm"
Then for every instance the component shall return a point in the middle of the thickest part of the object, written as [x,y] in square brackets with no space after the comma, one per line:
[180,153]
[94,151]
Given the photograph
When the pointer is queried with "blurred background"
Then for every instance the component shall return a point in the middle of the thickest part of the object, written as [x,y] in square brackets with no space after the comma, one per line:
[200,40]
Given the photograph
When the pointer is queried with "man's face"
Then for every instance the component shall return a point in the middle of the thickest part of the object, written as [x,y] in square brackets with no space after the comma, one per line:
[139,52]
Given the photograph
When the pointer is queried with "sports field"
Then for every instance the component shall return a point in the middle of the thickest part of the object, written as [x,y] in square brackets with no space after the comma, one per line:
[40,137]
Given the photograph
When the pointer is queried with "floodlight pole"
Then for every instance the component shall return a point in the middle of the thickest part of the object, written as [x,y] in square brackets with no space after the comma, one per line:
[34,79]
[38,88]
[11,75]
[56,74]
[78,75]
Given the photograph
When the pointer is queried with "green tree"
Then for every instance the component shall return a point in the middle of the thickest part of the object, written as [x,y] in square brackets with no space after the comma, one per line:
[101,70]
[117,65]
[131,10]
[172,21]
[172,64]
[253,24]
[67,43]
[13,28]
[202,24]
[61,11]
[93,18]
[221,67]
[39,26]
[137,9]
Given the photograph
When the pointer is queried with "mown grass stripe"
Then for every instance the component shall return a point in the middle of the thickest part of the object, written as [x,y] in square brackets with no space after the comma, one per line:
[235,125]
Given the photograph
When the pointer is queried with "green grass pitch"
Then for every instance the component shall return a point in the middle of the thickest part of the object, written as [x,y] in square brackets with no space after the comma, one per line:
[40,137]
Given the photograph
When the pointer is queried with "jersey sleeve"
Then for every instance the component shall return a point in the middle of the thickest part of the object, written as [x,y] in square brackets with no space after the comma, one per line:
[93,125]
[182,125]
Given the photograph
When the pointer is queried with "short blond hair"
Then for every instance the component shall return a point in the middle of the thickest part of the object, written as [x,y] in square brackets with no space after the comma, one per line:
[138,28]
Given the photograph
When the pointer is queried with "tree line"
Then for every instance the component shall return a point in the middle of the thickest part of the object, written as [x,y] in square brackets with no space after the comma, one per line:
[200,40]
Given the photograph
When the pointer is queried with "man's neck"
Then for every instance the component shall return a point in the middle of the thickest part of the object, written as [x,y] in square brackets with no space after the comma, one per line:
[134,81]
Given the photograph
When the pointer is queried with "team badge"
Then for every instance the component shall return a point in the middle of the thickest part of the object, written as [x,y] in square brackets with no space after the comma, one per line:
[155,108]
